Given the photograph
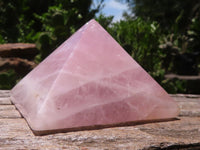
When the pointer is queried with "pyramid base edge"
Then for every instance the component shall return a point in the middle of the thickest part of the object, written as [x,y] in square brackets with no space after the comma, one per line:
[98,127]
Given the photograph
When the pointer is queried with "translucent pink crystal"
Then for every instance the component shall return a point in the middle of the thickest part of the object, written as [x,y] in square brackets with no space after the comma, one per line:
[89,80]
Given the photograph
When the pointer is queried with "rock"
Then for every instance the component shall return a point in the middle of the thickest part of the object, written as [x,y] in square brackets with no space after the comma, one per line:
[21,66]
[192,83]
[21,50]
[90,82]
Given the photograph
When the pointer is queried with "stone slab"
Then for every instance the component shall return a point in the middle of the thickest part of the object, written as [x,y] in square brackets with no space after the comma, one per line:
[182,133]
[21,50]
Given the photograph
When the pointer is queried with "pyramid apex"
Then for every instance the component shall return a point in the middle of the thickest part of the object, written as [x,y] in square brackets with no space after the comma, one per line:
[92,21]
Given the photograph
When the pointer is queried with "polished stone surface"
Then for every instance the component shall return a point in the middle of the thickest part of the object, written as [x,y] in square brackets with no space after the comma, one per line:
[90,80]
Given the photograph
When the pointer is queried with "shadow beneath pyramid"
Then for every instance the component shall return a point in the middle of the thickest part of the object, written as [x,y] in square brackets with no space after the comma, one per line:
[98,127]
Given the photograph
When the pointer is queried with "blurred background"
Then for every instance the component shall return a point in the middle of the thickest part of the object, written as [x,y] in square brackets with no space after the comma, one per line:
[162,36]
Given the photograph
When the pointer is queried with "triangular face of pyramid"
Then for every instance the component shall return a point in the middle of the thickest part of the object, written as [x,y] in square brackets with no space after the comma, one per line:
[89,81]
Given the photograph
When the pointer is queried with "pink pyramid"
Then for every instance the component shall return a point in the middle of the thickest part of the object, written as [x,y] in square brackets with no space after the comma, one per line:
[89,81]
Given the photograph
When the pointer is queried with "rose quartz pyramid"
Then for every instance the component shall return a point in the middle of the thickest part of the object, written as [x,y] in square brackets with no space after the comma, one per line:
[89,81]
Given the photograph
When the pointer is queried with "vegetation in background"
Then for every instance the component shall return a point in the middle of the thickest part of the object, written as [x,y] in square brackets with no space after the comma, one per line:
[179,22]
[48,23]
[162,36]
[7,79]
